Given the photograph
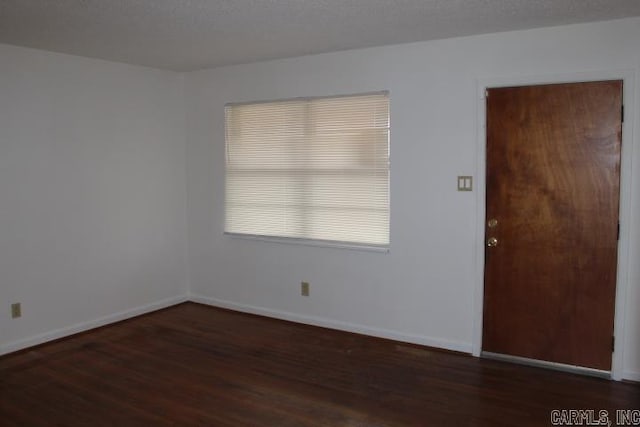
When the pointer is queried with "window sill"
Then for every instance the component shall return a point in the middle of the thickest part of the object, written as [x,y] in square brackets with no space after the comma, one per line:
[310,242]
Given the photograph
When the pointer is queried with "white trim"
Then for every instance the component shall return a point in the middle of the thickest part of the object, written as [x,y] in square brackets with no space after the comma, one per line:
[309,242]
[310,320]
[628,78]
[631,376]
[335,324]
[91,324]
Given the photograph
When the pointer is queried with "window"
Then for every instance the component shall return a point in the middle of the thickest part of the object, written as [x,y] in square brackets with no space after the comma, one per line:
[311,169]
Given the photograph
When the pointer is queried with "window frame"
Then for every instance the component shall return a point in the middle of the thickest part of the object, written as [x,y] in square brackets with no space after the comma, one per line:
[382,248]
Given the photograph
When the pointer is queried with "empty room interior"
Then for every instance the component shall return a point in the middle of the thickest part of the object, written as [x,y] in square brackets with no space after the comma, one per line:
[319,213]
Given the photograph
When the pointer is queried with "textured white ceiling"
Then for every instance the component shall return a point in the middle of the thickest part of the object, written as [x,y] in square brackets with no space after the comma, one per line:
[192,34]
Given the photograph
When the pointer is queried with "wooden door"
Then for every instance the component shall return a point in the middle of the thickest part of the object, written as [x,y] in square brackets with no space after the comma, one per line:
[553,177]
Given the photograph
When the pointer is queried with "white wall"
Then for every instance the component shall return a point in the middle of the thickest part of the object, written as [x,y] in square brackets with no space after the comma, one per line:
[92,193]
[93,200]
[422,291]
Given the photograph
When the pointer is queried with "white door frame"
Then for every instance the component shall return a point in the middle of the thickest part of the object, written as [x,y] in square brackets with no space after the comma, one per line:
[627,76]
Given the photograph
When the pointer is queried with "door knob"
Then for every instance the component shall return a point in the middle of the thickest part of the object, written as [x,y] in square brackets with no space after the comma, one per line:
[492,242]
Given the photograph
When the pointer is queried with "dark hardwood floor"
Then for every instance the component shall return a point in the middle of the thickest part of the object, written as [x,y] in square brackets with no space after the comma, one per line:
[196,365]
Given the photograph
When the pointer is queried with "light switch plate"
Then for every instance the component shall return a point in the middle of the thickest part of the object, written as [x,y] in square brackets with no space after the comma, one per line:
[465,183]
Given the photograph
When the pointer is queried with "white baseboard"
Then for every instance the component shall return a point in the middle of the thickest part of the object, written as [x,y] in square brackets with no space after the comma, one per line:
[91,324]
[631,376]
[283,315]
[335,324]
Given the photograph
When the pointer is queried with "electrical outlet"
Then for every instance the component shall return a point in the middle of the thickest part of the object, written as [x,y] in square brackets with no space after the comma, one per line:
[304,289]
[16,310]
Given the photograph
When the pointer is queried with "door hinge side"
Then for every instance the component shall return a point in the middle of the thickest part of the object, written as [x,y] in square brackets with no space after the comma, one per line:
[622,113]
[618,232]
[613,344]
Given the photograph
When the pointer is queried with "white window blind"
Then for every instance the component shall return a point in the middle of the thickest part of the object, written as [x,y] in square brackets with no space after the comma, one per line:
[313,168]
